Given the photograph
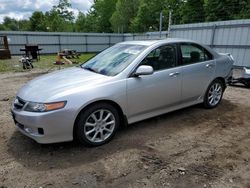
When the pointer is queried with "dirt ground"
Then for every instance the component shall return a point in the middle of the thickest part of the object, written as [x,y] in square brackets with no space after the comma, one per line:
[190,148]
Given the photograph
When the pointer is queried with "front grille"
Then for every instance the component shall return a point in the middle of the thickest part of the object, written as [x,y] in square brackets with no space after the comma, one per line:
[19,103]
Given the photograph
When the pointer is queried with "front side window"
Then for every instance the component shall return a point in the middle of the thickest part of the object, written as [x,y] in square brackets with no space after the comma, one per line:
[161,58]
[194,54]
[114,60]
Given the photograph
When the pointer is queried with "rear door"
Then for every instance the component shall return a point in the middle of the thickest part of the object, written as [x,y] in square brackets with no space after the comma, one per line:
[198,67]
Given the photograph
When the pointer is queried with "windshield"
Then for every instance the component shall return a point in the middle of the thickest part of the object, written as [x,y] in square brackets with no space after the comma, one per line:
[113,60]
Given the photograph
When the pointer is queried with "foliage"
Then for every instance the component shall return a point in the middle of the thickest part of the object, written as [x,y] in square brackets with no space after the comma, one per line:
[91,22]
[103,12]
[80,22]
[55,22]
[129,15]
[62,10]
[245,11]
[10,24]
[124,13]
[192,11]
[217,10]
[148,15]
[38,21]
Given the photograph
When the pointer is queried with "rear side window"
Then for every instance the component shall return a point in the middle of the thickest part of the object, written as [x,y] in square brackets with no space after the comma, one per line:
[192,53]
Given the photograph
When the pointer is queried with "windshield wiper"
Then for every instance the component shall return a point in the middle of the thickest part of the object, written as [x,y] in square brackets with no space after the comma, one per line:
[90,69]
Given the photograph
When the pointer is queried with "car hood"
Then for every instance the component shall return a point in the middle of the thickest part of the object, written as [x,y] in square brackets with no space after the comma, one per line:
[59,84]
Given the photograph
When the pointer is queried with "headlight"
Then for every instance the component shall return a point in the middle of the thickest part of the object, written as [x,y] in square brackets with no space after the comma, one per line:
[44,107]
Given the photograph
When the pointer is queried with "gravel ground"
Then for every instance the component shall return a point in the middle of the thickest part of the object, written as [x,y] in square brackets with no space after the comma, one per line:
[192,147]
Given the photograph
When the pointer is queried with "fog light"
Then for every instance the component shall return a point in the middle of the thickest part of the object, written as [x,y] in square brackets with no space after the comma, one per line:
[40,131]
[28,130]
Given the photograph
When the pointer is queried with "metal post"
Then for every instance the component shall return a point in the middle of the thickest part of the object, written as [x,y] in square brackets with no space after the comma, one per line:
[169,22]
[59,43]
[109,40]
[123,37]
[213,36]
[27,38]
[160,27]
[86,37]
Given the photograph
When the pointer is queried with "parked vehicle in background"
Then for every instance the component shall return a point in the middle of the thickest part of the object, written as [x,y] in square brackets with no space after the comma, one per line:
[243,79]
[128,82]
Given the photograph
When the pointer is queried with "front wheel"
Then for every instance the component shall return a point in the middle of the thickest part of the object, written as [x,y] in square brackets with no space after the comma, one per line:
[97,124]
[214,94]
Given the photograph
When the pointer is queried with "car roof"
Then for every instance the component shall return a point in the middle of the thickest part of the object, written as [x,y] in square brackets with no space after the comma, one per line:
[168,40]
[151,42]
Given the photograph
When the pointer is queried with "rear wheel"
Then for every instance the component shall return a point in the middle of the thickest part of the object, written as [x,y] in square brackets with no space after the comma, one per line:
[214,94]
[97,124]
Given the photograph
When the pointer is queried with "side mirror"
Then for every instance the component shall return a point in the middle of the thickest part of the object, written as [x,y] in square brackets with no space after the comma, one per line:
[144,70]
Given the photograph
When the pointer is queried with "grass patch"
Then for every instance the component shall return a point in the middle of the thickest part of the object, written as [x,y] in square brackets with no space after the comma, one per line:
[46,62]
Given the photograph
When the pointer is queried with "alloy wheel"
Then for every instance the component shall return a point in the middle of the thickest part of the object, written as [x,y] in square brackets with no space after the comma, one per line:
[99,125]
[215,94]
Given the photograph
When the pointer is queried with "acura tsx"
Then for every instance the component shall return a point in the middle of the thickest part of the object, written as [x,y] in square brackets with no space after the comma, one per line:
[126,83]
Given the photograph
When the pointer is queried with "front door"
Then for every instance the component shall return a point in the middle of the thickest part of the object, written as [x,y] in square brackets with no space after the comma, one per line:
[150,94]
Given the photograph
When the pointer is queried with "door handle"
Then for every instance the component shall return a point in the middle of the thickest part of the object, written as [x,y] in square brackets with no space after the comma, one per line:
[209,65]
[174,74]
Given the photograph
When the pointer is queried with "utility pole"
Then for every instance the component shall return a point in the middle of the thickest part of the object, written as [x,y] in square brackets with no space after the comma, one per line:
[169,22]
[160,27]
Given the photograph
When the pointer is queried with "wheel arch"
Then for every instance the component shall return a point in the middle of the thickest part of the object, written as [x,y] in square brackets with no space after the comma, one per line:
[223,81]
[123,119]
[220,79]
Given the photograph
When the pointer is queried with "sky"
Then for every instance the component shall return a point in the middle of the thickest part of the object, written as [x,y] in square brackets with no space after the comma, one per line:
[22,9]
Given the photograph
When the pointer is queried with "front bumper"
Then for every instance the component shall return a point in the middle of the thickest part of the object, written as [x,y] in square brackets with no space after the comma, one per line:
[46,127]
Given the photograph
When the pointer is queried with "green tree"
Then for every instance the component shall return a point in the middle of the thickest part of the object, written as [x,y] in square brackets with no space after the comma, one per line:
[129,15]
[59,18]
[103,11]
[38,21]
[2,28]
[192,11]
[244,10]
[175,6]
[217,10]
[63,10]
[80,22]
[54,22]
[10,24]
[91,22]
[148,15]
[24,25]
[122,17]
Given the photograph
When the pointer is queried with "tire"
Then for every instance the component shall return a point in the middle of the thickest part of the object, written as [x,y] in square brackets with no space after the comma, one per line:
[97,124]
[214,94]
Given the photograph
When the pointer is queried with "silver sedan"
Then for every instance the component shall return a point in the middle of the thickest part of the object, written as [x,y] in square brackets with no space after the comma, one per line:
[126,83]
